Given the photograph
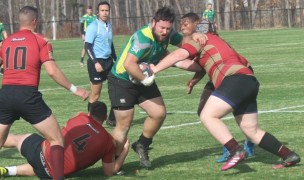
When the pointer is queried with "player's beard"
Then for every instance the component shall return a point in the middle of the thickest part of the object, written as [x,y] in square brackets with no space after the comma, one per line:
[159,38]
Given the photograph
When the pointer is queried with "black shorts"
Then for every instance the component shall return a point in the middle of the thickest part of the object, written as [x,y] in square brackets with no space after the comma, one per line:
[209,85]
[98,77]
[124,93]
[31,150]
[240,92]
[22,101]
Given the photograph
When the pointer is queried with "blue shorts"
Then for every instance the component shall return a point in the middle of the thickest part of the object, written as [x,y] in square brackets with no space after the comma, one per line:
[240,92]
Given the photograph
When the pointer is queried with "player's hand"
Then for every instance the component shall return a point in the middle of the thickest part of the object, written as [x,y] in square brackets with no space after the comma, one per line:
[126,146]
[81,92]
[152,68]
[190,84]
[148,81]
[83,37]
[98,67]
[200,38]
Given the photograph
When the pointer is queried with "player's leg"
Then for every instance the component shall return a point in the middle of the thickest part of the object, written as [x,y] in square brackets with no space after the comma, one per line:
[50,129]
[95,92]
[83,53]
[4,130]
[20,170]
[15,140]
[249,125]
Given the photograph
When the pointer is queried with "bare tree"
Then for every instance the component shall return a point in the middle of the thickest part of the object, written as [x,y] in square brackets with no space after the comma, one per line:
[227,15]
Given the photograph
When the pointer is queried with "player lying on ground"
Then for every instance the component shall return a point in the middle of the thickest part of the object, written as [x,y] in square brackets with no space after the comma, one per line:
[86,142]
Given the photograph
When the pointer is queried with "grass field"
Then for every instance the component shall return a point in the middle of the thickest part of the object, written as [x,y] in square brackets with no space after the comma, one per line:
[183,149]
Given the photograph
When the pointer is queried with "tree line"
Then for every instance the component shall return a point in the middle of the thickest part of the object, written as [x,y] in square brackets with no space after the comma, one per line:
[129,15]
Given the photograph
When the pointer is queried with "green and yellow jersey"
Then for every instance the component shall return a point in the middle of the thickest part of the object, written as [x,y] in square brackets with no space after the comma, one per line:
[86,21]
[209,15]
[1,30]
[146,48]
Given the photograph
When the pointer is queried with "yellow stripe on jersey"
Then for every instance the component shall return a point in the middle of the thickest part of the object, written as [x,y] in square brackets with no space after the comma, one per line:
[119,67]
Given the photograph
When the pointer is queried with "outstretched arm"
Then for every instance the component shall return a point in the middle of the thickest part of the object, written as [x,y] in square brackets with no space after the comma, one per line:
[170,60]
[114,167]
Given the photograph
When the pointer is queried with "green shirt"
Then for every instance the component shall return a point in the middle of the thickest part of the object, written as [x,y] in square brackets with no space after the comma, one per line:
[143,45]
[86,20]
[209,15]
[1,31]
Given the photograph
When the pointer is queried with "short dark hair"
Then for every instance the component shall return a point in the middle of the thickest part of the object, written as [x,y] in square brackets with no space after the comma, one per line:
[89,7]
[191,16]
[29,11]
[103,3]
[98,110]
[164,14]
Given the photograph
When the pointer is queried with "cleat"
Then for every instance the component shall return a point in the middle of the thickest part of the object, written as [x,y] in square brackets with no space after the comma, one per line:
[3,171]
[249,148]
[234,159]
[224,156]
[143,154]
[111,123]
[290,160]
[120,173]
[81,64]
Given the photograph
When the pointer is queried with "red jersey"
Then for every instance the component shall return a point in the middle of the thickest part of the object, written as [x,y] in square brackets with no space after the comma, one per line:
[23,54]
[86,142]
[218,59]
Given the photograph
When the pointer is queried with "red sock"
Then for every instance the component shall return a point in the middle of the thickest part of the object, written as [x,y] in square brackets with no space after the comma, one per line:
[284,152]
[57,160]
[232,145]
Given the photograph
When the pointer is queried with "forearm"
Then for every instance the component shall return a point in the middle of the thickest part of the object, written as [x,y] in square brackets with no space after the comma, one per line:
[188,65]
[89,49]
[120,160]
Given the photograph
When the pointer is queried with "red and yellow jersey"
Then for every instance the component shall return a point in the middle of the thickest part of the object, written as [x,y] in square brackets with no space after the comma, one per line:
[218,59]
[86,142]
[23,54]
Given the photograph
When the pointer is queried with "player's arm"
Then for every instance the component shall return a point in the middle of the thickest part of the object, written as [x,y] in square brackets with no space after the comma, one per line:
[189,65]
[170,60]
[134,70]
[195,79]
[4,34]
[113,52]
[114,167]
[57,75]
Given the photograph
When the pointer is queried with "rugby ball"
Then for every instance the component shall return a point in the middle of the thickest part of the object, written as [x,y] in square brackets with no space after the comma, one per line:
[145,68]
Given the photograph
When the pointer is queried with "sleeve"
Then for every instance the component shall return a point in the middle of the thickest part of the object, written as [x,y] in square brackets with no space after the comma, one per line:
[89,49]
[139,45]
[175,38]
[90,33]
[46,50]
[192,47]
[110,151]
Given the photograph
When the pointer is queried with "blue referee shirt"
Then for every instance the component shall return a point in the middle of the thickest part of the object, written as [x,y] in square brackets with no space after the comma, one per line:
[99,34]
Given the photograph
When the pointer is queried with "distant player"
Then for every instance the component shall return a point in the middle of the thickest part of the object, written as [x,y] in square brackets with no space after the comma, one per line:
[86,142]
[209,13]
[85,21]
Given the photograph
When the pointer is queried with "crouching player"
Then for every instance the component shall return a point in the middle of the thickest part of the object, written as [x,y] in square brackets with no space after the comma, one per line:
[86,142]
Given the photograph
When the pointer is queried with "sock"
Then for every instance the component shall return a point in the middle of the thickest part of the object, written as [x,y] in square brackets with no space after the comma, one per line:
[81,59]
[274,146]
[111,115]
[89,105]
[12,170]
[232,145]
[57,161]
[145,141]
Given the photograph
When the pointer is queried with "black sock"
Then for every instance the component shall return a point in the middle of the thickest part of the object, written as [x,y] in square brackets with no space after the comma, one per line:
[145,141]
[274,146]
[89,105]
[81,59]
[232,145]
[112,116]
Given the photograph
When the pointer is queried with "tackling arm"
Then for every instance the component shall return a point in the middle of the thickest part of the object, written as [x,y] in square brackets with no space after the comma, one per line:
[170,60]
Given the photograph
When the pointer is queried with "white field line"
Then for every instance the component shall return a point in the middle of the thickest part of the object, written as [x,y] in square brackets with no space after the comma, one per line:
[280,110]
